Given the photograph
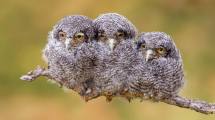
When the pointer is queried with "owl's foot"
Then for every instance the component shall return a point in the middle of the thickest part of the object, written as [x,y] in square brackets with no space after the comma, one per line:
[126,94]
[32,75]
[109,98]
[89,90]
[89,94]
[129,99]
[109,95]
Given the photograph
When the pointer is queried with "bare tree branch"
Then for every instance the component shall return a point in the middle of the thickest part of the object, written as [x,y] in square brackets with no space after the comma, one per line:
[197,105]
[34,74]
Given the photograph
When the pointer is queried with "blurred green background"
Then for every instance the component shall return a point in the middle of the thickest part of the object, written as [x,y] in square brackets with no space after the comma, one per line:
[24,25]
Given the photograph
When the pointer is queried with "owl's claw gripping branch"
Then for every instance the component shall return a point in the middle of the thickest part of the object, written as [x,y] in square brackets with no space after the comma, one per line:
[34,74]
[197,105]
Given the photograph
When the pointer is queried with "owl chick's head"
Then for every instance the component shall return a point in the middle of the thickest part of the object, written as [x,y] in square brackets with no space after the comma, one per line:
[157,45]
[112,28]
[72,31]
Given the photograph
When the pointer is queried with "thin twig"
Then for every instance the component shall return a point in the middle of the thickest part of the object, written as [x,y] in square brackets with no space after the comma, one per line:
[197,105]
[34,74]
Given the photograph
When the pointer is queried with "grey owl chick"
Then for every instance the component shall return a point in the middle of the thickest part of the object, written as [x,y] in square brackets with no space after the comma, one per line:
[69,52]
[159,72]
[114,35]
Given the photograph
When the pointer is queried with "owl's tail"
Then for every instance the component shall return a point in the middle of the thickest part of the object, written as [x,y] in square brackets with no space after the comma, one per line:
[197,105]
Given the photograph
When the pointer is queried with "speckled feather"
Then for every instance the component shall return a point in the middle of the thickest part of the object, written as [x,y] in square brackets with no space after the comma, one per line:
[111,63]
[71,67]
[111,22]
[158,78]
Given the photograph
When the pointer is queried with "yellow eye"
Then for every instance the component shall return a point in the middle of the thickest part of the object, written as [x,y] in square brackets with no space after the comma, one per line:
[79,36]
[62,35]
[161,50]
[143,46]
[102,35]
[120,34]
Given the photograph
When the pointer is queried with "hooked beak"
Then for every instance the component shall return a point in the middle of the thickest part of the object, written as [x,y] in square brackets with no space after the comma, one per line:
[68,43]
[149,55]
[112,43]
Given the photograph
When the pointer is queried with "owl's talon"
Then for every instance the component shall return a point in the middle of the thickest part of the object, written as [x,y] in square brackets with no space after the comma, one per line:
[109,98]
[86,99]
[129,99]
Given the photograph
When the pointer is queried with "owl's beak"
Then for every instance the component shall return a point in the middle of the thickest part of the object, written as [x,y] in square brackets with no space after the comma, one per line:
[68,43]
[112,43]
[149,55]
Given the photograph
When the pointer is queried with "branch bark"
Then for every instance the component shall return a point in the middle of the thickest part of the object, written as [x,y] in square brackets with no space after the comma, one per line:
[34,74]
[197,105]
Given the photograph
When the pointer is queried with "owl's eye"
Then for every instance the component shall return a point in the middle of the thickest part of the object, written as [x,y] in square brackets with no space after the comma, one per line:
[143,46]
[161,50]
[120,34]
[102,36]
[79,36]
[62,35]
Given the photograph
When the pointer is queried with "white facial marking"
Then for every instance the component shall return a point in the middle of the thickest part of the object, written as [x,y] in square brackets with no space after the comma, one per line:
[111,43]
[149,54]
[68,43]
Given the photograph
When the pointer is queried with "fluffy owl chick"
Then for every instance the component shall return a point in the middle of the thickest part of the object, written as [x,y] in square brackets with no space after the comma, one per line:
[112,29]
[114,35]
[69,53]
[159,73]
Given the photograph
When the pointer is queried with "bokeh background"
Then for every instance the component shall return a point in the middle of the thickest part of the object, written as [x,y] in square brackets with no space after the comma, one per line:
[24,25]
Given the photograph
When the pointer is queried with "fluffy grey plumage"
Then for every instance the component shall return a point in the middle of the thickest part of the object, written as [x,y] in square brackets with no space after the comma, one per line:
[114,35]
[159,72]
[113,65]
[69,52]
[112,28]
